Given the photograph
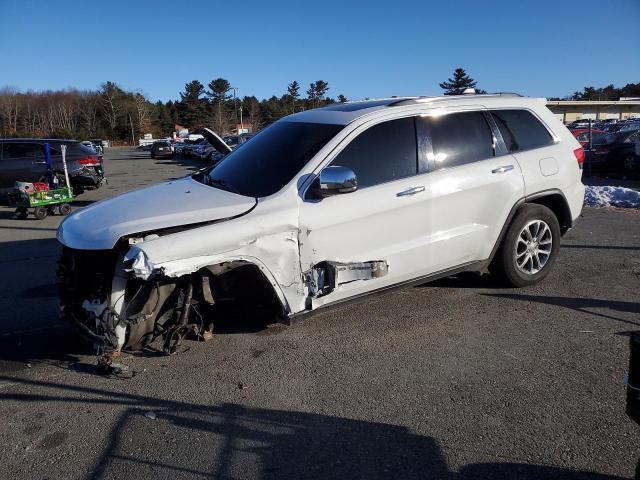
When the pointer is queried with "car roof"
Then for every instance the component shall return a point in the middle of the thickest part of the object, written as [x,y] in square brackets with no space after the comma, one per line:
[345,113]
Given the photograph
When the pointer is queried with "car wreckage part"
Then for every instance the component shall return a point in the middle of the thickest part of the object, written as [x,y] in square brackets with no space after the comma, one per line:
[100,293]
[116,311]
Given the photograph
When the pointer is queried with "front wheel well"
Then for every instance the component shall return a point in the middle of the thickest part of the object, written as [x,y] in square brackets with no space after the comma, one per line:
[557,203]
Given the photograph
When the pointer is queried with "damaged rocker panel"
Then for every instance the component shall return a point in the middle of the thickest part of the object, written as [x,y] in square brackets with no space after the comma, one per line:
[326,276]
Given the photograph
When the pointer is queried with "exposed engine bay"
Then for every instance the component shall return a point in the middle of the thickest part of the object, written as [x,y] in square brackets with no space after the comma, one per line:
[116,311]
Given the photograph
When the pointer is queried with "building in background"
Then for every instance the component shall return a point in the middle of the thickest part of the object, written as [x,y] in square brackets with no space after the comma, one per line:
[571,110]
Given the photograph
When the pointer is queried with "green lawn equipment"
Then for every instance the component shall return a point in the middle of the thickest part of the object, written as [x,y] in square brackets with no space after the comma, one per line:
[42,198]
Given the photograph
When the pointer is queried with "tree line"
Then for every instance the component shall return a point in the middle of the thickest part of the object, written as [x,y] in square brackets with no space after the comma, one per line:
[114,113]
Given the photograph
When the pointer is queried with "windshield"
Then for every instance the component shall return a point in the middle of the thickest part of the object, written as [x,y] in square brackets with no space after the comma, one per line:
[271,159]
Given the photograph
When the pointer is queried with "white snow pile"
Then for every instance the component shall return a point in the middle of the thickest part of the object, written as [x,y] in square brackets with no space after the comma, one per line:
[609,196]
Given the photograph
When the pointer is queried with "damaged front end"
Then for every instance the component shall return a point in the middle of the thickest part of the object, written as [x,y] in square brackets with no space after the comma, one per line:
[100,293]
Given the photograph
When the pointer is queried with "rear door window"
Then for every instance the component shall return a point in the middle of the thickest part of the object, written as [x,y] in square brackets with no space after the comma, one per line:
[459,138]
[521,130]
[382,153]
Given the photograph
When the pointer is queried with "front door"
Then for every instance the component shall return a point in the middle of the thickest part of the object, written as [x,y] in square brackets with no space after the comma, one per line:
[377,232]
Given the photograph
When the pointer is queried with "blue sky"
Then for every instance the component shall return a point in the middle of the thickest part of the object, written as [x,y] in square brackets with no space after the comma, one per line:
[362,48]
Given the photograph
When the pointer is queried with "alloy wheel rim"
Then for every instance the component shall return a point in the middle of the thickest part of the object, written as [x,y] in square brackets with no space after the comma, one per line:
[533,247]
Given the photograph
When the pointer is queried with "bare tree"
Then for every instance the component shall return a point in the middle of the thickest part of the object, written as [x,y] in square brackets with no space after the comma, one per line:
[109,100]
[143,112]
[8,110]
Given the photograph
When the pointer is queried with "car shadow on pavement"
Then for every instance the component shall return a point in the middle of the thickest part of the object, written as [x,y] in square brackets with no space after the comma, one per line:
[467,280]
[157,438]
[578,304]
[604,247]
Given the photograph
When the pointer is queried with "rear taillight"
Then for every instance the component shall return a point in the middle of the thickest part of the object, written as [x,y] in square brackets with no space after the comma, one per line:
[579,153]
[89,160]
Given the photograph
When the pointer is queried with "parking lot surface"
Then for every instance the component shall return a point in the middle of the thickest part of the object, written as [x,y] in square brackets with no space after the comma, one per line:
[454,379]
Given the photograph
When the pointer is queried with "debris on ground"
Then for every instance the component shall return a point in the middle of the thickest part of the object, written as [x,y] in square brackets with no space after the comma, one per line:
[151,415]
[610,196]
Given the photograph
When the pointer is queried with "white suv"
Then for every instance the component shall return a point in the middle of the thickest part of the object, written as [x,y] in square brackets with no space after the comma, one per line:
[324,206]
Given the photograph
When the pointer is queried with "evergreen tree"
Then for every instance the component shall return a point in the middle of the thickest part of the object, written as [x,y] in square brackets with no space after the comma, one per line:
[293,89]
[316,92]
[342,99]
[459,82]
[218,91]
[192,106]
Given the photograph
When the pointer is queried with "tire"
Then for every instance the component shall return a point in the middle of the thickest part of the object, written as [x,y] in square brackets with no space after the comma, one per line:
[40,212]
[153,156]
[526,258]
[64,209]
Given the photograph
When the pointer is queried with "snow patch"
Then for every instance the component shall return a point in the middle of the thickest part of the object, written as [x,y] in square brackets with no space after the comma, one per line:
[609,196]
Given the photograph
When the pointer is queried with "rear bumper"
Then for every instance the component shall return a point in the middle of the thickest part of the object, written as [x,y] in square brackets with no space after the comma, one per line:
[575,199]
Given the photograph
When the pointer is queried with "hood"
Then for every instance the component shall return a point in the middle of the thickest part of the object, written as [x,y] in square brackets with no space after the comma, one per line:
[179,202]
[215,141]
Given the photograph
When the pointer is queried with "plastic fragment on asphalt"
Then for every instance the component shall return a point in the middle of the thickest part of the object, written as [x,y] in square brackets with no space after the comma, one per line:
[150,415]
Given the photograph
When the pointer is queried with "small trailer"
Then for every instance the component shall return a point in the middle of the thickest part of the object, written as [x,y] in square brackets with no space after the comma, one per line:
[43,198]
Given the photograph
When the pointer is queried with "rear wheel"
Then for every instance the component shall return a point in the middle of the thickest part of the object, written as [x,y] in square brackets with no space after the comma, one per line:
[530,246]
[40,213]
[65,209]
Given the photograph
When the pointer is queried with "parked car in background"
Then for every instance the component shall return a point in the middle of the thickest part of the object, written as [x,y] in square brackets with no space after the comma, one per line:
[617,156]
[23,160]
[580,123]
[178,147]
[325,206]
[597,136]
[190,145]
[202,151]
[161,149]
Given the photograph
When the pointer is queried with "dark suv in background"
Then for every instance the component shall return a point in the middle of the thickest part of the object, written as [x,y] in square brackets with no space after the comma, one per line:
[23,160]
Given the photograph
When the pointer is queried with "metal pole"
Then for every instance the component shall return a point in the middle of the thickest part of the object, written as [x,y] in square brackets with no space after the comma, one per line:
[241,125]
[64,166]
[235,105]
[47,161]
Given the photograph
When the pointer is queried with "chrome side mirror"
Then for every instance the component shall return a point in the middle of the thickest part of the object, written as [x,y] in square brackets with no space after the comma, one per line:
[334,181]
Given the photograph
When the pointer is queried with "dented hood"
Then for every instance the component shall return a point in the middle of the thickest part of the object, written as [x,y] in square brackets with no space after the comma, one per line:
[171,204]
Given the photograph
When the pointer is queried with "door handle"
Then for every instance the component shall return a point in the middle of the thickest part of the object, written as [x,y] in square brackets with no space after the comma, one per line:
[410,191]
[39,163]
[502,169]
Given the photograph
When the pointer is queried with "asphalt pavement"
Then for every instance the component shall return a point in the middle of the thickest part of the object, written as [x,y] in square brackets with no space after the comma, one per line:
[455,379]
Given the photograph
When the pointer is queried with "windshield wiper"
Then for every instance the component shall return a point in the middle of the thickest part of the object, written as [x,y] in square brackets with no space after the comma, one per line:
[224,185]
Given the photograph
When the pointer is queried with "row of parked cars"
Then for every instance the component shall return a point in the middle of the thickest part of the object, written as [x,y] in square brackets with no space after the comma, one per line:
[611,147]
[201,149]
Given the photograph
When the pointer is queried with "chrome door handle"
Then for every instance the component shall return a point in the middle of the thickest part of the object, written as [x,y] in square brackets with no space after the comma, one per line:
[410,191]
[39,163]
[502,169]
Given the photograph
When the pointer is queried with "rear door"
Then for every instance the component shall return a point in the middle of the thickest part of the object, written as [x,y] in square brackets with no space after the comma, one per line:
[472,186]
[540,157]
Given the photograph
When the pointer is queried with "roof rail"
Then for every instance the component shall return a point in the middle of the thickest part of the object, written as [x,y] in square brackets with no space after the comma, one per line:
[418,100]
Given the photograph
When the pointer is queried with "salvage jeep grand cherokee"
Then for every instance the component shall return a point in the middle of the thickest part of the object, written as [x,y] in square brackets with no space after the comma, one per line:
[324,206]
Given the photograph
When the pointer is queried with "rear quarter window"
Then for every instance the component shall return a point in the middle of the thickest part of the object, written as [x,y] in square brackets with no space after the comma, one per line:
[521,130]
